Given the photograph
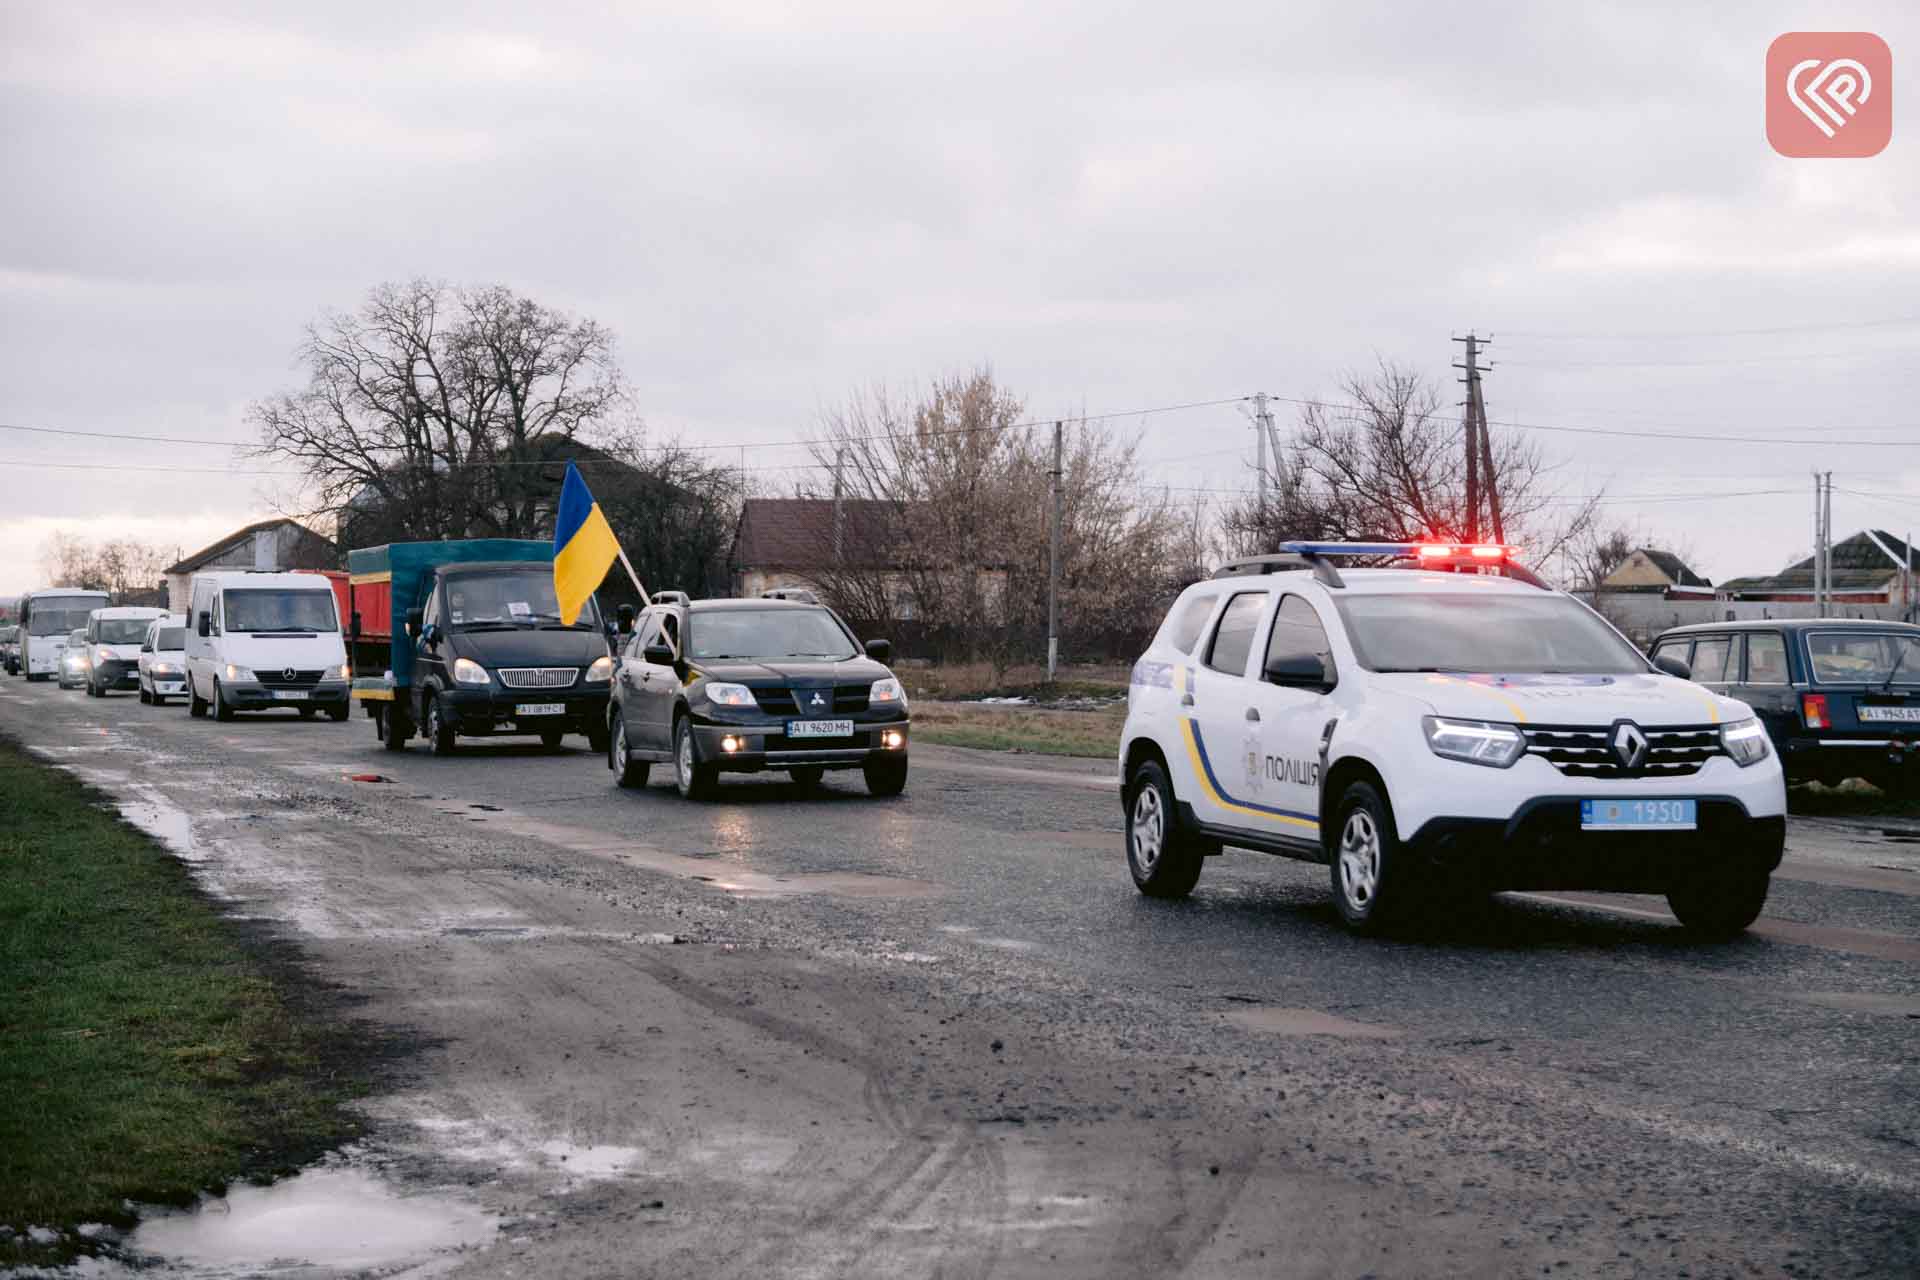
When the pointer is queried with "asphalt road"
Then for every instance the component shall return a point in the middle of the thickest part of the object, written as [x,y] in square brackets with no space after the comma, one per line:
[942,1035]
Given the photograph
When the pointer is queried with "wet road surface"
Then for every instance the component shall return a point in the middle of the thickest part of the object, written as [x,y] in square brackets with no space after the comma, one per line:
[780,1034]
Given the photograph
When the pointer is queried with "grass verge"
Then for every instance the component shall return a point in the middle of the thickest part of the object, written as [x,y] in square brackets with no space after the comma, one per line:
[148,1049]
[1030,729]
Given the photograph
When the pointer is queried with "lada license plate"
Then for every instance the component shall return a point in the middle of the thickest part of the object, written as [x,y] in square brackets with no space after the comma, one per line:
[819,728]
[541,709]
[1897,715]
[290,695]
[1639,815]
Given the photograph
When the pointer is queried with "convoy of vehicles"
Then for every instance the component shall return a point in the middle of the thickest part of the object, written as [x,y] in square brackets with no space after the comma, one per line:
[713,686]
[1840,699]
[113,640]
[1449,724]
[162,667]
[264,640]
[480,651]
[47,618]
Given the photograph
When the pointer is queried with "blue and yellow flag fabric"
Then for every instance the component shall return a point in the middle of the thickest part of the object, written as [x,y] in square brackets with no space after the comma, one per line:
[584,547]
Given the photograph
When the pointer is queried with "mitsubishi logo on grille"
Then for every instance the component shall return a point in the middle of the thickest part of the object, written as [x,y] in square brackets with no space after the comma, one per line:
[819,699]
[1629,745]
[288,674]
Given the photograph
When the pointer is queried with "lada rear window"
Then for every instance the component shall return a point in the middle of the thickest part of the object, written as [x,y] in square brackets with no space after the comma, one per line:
[1483,633]
[1864,657]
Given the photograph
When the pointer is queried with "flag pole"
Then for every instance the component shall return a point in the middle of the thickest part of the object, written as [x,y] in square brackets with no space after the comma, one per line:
[645,599]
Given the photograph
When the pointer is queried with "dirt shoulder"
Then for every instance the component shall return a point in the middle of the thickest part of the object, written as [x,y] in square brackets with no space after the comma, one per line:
[151,1048]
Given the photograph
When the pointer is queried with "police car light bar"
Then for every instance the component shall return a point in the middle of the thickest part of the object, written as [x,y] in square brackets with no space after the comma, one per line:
[1411,550]
[1318,557]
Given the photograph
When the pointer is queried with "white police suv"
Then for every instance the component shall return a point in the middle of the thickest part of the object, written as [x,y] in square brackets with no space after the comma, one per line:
[1447,722]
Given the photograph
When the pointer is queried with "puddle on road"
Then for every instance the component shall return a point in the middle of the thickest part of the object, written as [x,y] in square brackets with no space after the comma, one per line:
[1308,1022]
[336,1218]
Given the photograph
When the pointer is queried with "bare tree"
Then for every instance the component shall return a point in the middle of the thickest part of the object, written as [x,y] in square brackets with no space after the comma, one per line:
[121,567]
[1385,463]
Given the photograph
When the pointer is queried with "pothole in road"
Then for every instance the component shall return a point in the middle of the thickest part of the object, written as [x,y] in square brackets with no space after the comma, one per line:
[335,1217]
[1308,1022]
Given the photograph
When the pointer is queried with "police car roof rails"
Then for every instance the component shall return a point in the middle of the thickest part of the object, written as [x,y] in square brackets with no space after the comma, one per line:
[1426,555]
[670,597]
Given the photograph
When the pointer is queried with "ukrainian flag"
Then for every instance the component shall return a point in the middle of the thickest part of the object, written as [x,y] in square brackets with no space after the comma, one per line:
[584,547]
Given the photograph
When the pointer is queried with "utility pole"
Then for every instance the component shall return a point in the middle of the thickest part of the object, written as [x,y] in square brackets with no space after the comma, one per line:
[839,506]
[1053,564]
[1826,537]
[1260,447]
[1479,447]
[1279,483]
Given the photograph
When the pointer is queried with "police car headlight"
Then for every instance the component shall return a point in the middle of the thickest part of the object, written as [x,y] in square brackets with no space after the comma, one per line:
[887,693]
[1746,741]
[601,671]
[730,695]
[467,671]
[1475,741]
[235,672]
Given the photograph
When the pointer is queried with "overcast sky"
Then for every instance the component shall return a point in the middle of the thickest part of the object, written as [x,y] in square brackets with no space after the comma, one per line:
[1116,206]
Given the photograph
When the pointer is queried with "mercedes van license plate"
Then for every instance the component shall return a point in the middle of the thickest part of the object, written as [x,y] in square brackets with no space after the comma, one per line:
[290,695]
[541,709]
[819,728]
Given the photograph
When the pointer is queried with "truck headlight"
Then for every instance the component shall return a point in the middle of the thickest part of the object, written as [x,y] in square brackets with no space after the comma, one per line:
[234,672]
[887,693]
[730,695]
[1474,741]
[467,671]
[601,671]
[1746,741]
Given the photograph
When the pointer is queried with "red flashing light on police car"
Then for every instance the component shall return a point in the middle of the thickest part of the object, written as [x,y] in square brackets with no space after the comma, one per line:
[1455,551]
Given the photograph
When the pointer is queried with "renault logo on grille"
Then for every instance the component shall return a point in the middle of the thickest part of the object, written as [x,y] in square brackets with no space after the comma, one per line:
[1629,745]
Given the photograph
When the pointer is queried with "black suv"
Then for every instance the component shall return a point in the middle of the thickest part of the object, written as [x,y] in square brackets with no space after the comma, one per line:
[751,685]
[1840,698]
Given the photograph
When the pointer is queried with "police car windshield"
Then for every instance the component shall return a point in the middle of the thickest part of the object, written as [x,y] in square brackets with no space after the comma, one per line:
[1484,633]
[768,633]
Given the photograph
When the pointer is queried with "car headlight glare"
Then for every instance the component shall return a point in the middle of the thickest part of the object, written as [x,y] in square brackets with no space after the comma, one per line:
[1474,741]
[1746,741]
[467,671]
[235,672]
[160,669]
[601,670]
[722,694]
[887,693]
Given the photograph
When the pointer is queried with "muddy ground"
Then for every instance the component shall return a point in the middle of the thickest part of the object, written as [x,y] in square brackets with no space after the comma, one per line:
[832,1036]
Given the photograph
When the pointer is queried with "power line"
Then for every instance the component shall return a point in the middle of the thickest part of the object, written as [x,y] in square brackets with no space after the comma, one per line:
[1662,335]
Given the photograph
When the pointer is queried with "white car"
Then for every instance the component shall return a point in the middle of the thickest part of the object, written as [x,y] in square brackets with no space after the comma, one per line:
[1446,723]
[72,667]
[113,647]
[163,660]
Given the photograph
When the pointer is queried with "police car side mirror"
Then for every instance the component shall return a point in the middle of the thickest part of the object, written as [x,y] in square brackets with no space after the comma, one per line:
[1673,666]
[1297,671]
[880,650]
[660,655]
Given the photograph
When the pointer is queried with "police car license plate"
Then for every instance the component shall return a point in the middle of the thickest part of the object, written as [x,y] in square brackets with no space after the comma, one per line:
[1897,715]
[290,695]
[541,709]
[819,728]
[1639,815]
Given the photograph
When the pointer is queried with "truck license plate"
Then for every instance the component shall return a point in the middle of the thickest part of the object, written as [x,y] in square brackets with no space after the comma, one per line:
[819,728]
[1896,715]
[1638,815]
[541,709]
[290,695]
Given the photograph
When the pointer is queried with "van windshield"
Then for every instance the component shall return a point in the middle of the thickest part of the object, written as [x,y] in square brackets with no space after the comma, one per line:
[124,630]
[510,598]
[258,609]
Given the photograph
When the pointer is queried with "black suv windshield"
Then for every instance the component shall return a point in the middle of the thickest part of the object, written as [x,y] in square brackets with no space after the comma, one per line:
[259,609]
[512,598]
[767,634]
[124,630]
[1484,633]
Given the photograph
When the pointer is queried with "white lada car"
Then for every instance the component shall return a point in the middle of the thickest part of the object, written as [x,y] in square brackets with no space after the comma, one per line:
[1447,722]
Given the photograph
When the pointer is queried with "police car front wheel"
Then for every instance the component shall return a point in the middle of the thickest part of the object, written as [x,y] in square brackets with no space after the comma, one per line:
[1163,856]
[1372,882]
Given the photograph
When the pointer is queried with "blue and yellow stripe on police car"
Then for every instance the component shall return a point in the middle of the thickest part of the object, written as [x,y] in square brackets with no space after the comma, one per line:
[1203,771]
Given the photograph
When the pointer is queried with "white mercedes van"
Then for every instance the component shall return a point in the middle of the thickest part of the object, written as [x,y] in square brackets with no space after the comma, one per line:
[260,640]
